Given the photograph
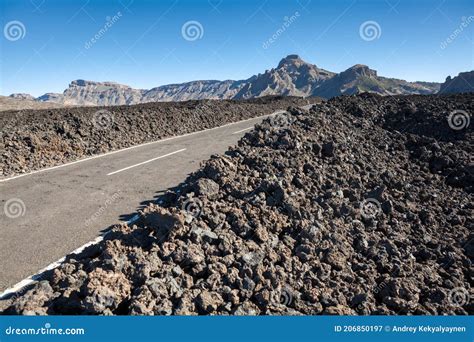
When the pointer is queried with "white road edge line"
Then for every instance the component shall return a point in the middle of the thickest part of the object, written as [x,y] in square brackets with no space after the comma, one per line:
[35,277]
[146,162]
[243,130]
[31,279]
[136,146]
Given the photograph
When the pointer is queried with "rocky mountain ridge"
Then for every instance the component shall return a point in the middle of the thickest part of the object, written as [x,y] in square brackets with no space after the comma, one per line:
[292,77]
[463,83]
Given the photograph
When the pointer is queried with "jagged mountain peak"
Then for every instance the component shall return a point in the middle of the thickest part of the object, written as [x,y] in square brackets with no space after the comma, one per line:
[462,83]
[291,60]
[360,70]
[293,76]
[358,67]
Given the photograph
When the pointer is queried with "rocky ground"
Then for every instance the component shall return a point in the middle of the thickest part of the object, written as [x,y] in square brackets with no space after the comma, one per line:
[34,139]
[363,205]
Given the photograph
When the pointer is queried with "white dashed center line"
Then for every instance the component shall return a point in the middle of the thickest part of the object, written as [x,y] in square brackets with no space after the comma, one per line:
[243,130]
[146,161]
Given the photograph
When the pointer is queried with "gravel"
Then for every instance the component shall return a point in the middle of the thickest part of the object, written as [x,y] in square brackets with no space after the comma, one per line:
[362,205]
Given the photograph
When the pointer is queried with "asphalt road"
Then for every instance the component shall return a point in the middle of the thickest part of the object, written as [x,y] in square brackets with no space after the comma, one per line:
[55,211]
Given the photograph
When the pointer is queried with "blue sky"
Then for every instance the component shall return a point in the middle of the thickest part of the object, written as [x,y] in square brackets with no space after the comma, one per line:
[144,46]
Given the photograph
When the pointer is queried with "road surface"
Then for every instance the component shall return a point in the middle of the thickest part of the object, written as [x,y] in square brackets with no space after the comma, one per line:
[55,211]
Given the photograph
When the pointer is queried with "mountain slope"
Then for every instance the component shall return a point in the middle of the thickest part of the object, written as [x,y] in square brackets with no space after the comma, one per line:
[293,77]
[360,78]
[89,93]
[463,83]
[195,90]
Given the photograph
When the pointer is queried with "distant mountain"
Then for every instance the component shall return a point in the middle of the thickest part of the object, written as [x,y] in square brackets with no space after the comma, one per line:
[195,90]
[360,78]
[22,96]
[293,76]
[24,101]
[88,93]
[463,83]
